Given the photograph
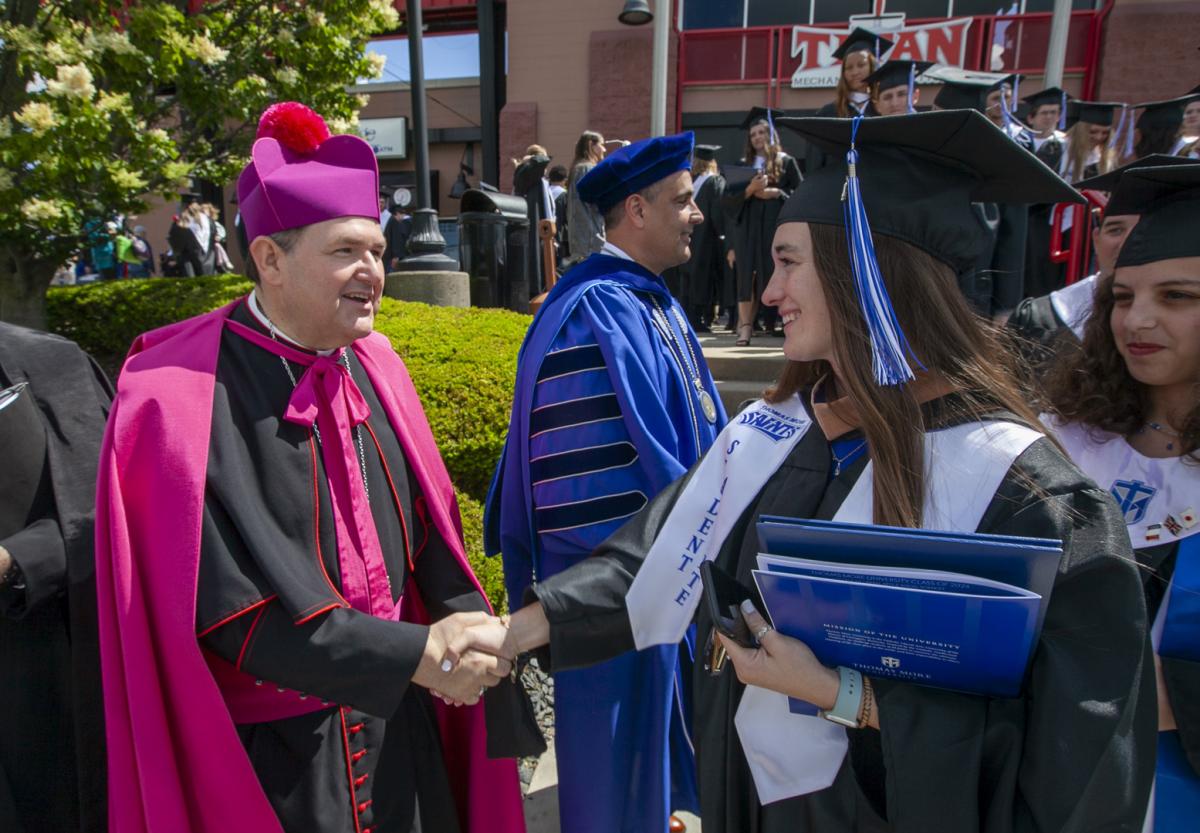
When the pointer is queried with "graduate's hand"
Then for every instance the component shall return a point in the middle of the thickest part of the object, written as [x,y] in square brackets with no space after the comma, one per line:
[731,258]
[781,663]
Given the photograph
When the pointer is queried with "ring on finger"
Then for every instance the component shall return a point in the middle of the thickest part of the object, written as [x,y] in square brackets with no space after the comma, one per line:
[761,632]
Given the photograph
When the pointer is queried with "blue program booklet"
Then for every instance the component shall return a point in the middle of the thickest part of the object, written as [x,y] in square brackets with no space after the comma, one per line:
[960,611]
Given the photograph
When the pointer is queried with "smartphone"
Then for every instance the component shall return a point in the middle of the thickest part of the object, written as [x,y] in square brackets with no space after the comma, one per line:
[724,596]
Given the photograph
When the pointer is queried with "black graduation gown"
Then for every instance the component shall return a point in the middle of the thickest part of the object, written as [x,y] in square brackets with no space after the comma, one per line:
[1181,676]
[705,268]
[1041,275]
[1076,754]
[755,230]
[1037,333]
[995,284]
[257,543]
[52,723]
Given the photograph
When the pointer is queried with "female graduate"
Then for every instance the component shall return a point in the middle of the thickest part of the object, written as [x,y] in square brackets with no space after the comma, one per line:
[1158,128]
[934,436]
[705,269]
[1089,153]
[776,175]
[1127,409]
[861,54]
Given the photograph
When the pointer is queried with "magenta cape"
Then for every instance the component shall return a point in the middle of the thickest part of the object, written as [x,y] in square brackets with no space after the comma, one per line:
[175,761]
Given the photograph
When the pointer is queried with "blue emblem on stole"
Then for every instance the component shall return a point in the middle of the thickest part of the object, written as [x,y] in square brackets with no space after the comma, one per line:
[1133,496]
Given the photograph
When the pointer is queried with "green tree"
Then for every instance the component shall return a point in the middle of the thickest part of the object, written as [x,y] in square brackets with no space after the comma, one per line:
[103,103]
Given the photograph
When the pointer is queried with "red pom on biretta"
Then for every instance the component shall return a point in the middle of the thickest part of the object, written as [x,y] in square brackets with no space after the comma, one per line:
[293,125]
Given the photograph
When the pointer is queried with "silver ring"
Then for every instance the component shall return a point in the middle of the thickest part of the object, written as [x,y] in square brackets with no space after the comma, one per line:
[761,632]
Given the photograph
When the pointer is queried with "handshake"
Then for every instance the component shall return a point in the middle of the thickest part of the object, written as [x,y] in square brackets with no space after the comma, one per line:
[466,654]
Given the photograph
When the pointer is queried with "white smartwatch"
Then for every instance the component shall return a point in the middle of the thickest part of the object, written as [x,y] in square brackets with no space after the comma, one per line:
[849,699]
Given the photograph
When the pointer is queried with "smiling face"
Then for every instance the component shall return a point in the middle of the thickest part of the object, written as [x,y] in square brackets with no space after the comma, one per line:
[855,70]
[760,137]
[795,287]
[1156,321]
[667,222]
[325,291]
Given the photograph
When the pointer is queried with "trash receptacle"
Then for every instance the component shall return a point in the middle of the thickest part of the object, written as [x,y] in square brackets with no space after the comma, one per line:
[493,249]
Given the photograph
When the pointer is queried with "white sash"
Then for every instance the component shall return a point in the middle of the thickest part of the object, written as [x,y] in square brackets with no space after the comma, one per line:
[1073,304]
[663,598]
[791,754]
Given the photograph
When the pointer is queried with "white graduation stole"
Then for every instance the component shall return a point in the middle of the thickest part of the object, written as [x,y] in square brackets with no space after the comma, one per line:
[791,754]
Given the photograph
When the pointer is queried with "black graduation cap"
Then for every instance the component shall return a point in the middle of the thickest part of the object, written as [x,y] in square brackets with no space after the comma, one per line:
[863,39]
[897,73]
[919,172]
[1164,115]
[757,114]
[914,179]
[708,153]
[189,197]
[964,89]
[1169,198]
[1050,95]
[1093,112]
[1128,201]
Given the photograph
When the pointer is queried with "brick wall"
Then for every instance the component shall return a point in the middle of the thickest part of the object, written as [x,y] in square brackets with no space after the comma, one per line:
[1148,52]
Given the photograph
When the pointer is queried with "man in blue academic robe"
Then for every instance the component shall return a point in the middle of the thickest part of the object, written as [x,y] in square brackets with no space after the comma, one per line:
[613,401]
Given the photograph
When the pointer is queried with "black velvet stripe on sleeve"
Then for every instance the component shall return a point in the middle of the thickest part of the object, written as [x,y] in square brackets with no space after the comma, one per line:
[587,512]
[571,360]
[583,461]
[575,412]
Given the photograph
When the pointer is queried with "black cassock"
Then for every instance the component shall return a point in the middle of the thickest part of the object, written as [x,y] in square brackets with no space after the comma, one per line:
[705,268]
[266,492]
[1076,753]
[51,723]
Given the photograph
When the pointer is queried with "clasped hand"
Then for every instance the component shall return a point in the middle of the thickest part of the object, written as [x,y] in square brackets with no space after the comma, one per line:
[465,654]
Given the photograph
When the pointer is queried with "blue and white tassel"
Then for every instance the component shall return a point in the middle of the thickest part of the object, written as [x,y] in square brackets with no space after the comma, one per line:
[912,82]
[1062,112]
[889,347]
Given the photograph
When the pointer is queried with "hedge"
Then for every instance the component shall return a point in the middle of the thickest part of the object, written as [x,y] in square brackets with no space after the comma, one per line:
[463,363]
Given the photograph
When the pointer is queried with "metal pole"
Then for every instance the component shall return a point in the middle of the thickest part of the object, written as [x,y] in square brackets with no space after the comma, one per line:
[490,70]
[1056,54]
[658,78]
[426,246]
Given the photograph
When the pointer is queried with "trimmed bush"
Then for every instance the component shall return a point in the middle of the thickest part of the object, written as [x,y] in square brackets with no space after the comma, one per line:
[489,571]
[463,361]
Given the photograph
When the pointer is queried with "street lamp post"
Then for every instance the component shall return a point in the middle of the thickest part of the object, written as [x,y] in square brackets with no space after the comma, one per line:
[637,13]
[426,246]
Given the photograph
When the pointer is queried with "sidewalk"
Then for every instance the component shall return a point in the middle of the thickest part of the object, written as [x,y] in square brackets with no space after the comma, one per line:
[741,373]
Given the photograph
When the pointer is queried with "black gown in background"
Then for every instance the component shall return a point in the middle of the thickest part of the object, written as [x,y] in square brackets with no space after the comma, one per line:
[1075,755]
[704,270]
[996,283]
[52,721]
[754,233]
[1041,275]
[375,749]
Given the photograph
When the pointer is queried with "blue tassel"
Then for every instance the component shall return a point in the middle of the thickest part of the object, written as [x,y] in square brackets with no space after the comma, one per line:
[1127,120]
[771,127]
[912,81]
[1115,136]
[889,347]
[1062,112]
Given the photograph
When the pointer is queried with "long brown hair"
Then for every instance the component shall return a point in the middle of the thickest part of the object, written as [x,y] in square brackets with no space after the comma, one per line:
[841,98]
[1091,384]
[774,153]
[1079,147]
[950,341]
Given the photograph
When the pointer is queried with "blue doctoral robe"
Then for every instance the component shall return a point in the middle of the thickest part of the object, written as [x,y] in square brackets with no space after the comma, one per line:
[605,414]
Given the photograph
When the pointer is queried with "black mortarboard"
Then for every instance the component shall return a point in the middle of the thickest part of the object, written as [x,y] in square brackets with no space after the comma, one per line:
[1170,209]
[757,114]
[914,179]
[706,152]
[1164,115]
[863,39]
[964,89]
[1093,112]
[188,197]
[1128,201]
[919,173]
[897,73]
[1050,95]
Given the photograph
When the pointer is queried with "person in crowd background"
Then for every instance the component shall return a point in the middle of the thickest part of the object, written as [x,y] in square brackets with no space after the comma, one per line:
[585,224]
[196,217]
[145,253]
[613,400]
[891,85]
[860,55]
[756,210]
[1125,404]
[53,403]
[1089,150]
[703,274]
[1158,128]
[395,234]
[1046,115]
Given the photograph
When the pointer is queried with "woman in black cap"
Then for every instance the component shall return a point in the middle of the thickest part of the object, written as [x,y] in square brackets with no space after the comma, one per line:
[1158,128]
[911,420]
[861,54]
[1125,404]
[1089,151]
[775,175]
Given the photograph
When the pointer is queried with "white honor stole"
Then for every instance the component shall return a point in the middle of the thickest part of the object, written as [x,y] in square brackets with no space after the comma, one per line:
[791,754]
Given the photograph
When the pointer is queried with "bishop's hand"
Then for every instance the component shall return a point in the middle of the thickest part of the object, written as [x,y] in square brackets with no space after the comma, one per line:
[453,668]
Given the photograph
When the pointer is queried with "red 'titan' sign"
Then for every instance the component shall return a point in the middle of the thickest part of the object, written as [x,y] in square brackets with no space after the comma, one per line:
[943,42]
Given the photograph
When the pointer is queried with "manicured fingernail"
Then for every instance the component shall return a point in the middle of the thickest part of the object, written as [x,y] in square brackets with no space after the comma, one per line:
[446,666]
[748,606]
